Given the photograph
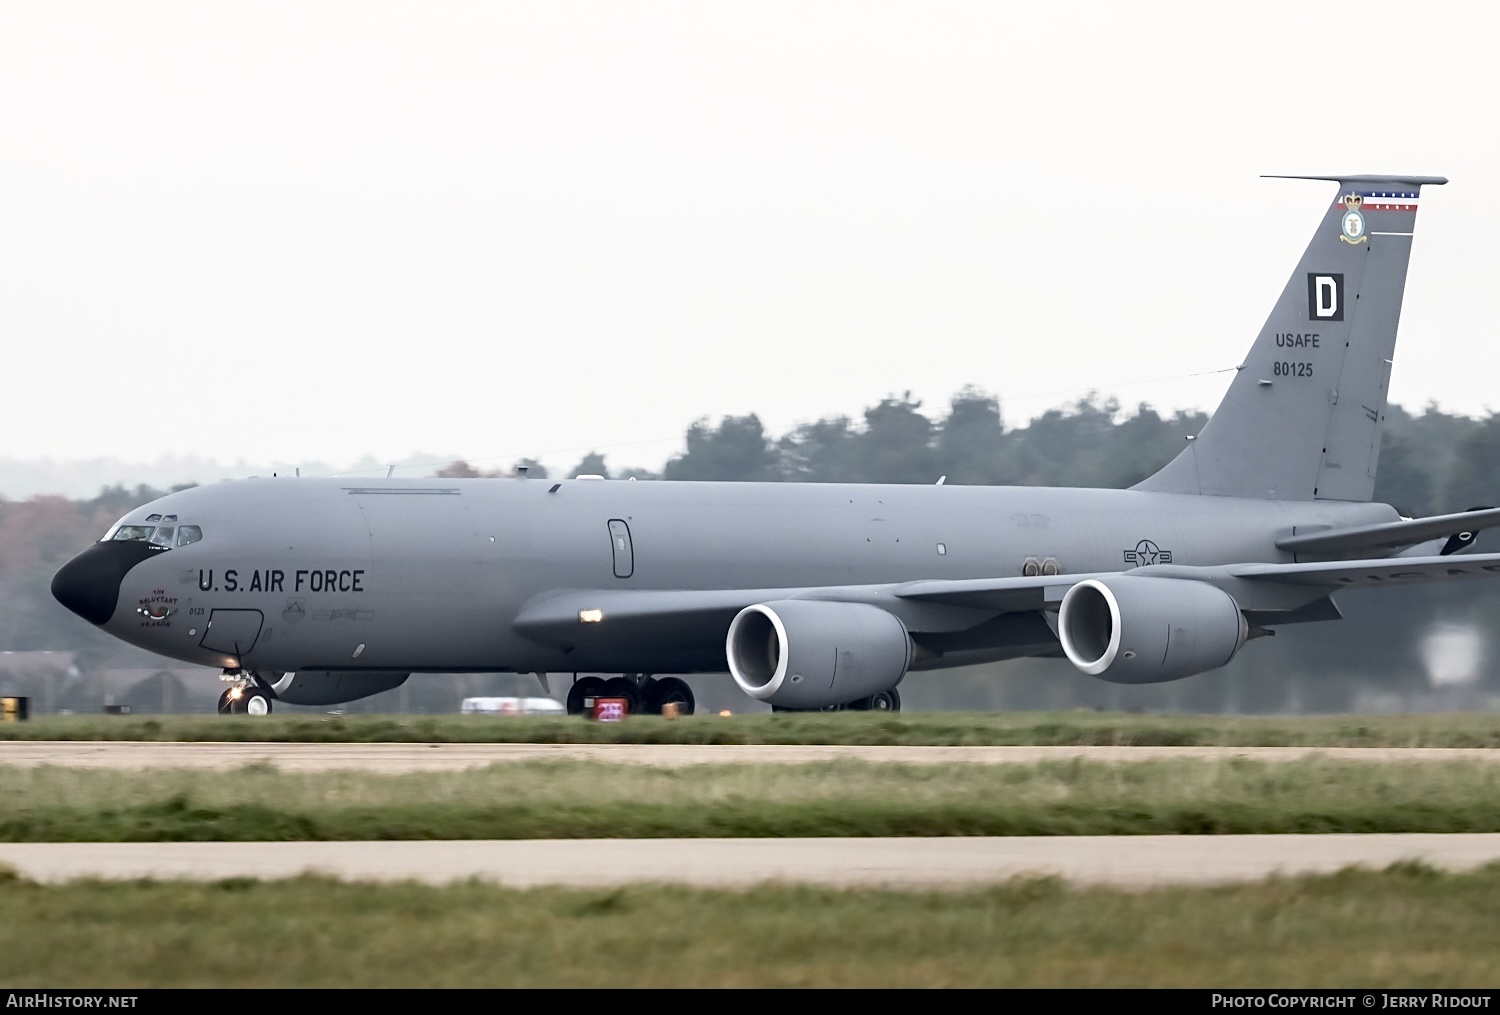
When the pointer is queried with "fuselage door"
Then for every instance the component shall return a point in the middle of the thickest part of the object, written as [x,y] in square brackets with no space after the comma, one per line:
[619,541]
[233,632]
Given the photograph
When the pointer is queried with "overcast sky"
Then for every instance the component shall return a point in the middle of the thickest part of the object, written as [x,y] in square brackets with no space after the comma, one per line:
[325,230]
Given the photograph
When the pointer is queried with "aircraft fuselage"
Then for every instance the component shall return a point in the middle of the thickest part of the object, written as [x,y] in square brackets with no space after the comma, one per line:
[429,575]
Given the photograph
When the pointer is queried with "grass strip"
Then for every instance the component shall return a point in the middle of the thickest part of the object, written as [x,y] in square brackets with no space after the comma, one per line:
[583,799]
[912,728]
[1407,926]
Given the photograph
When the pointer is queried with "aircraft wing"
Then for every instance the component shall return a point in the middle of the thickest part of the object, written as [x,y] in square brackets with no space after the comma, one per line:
[559,617]
[1000,595]
[580,616]
[1018,594]
[1390,534]
[564,617]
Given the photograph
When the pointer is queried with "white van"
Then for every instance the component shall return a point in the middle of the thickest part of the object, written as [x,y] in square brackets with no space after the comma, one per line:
[512,706]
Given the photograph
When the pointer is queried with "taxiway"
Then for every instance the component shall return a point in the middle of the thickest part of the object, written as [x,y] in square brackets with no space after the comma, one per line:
[1139,861]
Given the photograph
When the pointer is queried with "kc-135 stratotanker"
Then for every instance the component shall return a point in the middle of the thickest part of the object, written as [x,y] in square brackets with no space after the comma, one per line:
[813,595]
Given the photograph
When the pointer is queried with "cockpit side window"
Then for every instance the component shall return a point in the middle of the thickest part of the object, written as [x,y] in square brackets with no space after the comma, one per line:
[188,534]
[165,534]
[133,533]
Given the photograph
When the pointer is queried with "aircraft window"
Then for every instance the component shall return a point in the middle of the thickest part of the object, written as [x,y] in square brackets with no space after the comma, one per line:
[169,518]
[188,534]
[133,533]
[153,518]
[164,535]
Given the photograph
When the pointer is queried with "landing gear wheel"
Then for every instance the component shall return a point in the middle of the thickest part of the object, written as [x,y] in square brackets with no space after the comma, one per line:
[585,687]
[885,701]
[624,687]
[244,700]
[253,702]
[669,690]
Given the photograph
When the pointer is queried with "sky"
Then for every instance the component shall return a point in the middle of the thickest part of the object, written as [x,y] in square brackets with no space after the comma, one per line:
[333,231]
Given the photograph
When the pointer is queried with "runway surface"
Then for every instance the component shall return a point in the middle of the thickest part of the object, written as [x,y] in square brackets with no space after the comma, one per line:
[398,758]
[1139,861]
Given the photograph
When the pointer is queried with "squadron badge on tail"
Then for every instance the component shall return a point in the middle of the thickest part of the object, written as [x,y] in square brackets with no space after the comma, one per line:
[1353,223]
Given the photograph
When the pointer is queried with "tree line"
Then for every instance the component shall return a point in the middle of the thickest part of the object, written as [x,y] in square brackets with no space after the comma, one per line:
[1430,462]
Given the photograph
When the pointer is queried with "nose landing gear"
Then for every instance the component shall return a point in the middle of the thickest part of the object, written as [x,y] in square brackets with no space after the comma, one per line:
[245,696]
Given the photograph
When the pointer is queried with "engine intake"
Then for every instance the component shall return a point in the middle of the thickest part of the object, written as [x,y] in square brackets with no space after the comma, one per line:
[332,687]
[803,653]
[1138,630]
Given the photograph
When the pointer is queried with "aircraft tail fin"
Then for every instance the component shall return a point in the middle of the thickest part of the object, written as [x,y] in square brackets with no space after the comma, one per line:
[1303,416]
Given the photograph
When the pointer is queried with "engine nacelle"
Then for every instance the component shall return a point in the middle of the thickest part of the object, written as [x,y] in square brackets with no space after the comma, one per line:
[332,687]
[1138,630]
[802,653]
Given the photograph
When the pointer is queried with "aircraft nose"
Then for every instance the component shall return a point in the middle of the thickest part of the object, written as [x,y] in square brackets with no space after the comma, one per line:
[89,584]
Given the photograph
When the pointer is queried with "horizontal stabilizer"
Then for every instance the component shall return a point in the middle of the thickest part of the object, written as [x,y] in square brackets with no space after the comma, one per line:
[1336,574]
[1390,534]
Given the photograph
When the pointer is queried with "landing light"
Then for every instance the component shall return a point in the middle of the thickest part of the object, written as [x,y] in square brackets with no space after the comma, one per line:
[590,616]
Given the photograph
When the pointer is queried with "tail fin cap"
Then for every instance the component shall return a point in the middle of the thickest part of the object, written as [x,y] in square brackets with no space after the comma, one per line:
[1409,181]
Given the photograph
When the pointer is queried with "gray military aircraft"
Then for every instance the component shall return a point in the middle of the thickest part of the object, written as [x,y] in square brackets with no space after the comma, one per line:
[817,596]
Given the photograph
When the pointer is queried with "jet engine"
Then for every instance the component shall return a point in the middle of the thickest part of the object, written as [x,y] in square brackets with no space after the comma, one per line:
[332,687]
[802,653]
[1138,630]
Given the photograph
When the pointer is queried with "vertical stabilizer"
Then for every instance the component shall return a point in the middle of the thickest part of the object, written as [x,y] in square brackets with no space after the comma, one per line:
[1303,417]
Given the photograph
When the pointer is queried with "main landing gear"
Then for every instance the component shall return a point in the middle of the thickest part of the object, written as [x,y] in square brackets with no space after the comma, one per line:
[245,696]
[643,694]
[885,701]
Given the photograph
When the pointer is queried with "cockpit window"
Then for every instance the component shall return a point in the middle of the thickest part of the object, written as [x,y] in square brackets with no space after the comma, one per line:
[153,518]
[159,535]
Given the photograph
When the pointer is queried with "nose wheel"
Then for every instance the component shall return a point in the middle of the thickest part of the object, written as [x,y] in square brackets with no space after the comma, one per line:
[244,698]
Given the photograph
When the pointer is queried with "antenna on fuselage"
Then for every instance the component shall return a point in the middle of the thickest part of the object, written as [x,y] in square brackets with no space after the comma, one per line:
[941,481]
[390,471]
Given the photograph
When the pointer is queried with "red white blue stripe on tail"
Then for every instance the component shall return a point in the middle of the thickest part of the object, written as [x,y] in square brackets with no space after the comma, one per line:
[1384,200]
